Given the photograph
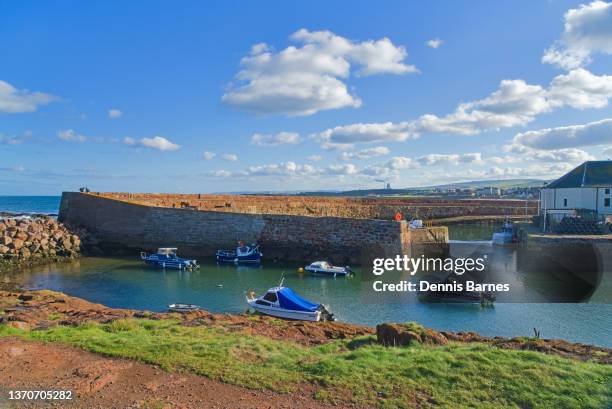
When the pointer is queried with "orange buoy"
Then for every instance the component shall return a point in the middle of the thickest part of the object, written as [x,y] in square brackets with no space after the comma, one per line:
[398,216]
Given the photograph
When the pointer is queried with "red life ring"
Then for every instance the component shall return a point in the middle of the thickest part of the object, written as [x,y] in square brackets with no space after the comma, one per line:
[398,216]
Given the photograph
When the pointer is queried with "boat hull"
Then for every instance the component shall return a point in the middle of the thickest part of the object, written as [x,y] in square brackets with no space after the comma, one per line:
[176,265]
[286,314]
[229,258]
[343,272]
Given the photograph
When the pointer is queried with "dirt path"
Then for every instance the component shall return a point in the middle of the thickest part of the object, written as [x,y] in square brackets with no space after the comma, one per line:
[101,382]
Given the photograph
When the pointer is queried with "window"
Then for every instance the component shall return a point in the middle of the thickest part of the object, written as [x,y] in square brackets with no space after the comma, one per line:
[260,302]
[607,191]
[607,202]
[271,297]
[564,202]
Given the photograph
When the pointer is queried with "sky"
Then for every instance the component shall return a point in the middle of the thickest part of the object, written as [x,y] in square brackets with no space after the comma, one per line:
[231,96]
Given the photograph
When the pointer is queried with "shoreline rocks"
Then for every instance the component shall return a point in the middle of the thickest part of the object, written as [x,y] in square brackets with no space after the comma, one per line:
[29,240]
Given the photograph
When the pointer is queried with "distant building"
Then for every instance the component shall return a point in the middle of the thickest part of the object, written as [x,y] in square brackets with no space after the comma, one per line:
[587,187]
[489,192]
[388,186]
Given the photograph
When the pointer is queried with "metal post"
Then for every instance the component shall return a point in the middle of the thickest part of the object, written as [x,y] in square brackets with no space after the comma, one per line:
[544,215]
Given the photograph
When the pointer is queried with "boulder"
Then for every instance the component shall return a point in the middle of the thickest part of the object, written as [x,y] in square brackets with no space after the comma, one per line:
[3,249]
[404,334]
[21,235]
[395,335]
[25,252]
[17,244]
[66,243]
[5,240]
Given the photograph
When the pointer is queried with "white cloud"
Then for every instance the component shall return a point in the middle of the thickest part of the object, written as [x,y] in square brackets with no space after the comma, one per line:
[572,136]
[70,135]
[282,138]
[570,155]
[158,142]
[580,89]
[315,158]
[587,30]
[208,155]
[13,100]
[302,80]
[434,43]
[365,153]
[343,137]
[452,159]
[400,162]
[229,157]
[114,113]
[15,139]
[608,152]
[514,103]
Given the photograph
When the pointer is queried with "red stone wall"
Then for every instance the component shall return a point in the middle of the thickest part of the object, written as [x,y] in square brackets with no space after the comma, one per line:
[362,208]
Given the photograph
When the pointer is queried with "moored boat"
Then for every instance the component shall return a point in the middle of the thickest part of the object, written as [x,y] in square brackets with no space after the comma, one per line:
[166,258]
[323,267]
[283,302]
[178,307]
[244,254]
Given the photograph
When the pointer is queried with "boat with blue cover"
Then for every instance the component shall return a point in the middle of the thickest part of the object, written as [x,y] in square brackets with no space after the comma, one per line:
[166,258]
[283,302]
[244,254]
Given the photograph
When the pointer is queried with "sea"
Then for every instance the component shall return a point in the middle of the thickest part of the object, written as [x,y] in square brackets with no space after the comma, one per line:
[30,204]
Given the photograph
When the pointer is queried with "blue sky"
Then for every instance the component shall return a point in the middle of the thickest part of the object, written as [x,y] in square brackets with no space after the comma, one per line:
[248,96]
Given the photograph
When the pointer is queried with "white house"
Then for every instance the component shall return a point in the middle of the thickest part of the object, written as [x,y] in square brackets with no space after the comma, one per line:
[589,186]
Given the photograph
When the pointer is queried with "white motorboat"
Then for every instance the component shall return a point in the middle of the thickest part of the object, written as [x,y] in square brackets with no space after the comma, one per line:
[178,307]
[283,302]
[323,267]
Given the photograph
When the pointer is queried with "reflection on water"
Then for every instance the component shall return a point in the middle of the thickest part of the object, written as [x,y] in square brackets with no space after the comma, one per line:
[128,284]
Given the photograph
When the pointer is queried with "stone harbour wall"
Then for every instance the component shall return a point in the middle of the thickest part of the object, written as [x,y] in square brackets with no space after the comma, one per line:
[25,240]
[137,226]
[363,208]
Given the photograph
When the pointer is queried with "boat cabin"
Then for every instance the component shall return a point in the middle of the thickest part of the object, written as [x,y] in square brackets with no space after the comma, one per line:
[321,265]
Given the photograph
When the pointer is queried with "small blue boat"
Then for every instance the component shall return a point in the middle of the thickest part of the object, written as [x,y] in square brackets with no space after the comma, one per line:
[166,258]
[244,254]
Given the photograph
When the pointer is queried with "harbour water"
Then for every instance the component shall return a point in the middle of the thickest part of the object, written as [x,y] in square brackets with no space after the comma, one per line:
[126,283]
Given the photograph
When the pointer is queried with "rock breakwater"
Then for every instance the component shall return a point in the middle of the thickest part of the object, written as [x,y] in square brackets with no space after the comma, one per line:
[27,240]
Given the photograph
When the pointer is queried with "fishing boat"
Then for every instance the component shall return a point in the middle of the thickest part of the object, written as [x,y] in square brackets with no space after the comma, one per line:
[244,254]
[178,307]
[283,302]
[323,267]
[504,236]
[166,258]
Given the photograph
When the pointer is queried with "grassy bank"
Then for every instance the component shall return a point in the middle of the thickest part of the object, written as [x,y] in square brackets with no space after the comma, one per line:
[351,371]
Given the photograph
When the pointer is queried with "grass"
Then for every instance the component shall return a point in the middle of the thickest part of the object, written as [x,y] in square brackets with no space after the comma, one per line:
[351,371]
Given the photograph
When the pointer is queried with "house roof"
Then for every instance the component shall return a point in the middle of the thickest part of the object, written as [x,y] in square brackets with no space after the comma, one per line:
[589,174]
